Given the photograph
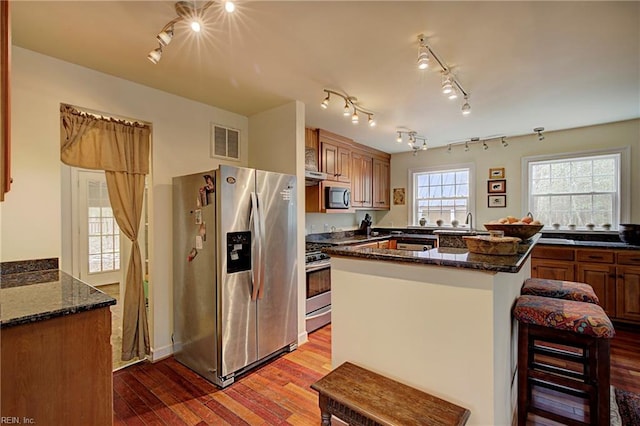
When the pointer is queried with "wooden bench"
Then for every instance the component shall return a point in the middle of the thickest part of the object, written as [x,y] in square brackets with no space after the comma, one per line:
[362,397]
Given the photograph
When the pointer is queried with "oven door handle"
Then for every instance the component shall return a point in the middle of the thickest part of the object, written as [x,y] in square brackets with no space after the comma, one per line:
[324,311]
[315,268]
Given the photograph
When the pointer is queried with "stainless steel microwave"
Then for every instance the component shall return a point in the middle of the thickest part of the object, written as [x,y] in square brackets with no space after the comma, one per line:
[337,197]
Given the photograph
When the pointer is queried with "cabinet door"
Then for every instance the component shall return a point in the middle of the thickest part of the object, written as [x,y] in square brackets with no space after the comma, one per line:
[628,293]
[383,244]
[344,165]
[381,184]
[602,279]
[329,160]
[361,180]
[552,270]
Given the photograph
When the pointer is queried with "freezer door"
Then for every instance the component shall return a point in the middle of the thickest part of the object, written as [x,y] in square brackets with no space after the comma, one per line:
[194,274]
[278,296]
[237,312]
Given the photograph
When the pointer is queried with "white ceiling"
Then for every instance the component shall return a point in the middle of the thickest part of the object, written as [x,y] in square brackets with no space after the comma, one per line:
[526,64]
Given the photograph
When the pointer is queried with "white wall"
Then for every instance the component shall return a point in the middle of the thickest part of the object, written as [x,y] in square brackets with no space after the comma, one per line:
[31,214]
[277,144]
[619,134]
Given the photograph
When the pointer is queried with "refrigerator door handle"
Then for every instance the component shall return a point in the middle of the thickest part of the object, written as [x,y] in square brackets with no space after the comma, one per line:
[256,257]
[262,243]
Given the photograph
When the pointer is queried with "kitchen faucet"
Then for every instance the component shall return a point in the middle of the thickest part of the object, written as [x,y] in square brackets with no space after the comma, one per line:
[469,221]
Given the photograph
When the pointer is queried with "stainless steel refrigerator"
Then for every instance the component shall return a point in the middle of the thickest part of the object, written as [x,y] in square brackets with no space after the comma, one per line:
[234,270]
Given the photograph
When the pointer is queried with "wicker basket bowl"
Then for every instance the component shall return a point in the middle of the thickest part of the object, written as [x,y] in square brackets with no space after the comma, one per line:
[520,231]
[501,246]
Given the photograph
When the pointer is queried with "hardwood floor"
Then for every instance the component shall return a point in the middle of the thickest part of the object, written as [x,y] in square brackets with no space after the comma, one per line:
[167,393]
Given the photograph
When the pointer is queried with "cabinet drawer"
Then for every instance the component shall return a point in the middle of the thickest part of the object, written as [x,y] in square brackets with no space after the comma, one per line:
[595,256]
[556,253]
[629,258]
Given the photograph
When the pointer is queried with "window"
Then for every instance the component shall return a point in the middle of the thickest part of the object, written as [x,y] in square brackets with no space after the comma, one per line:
[441,194]
[103,231]
[578,188]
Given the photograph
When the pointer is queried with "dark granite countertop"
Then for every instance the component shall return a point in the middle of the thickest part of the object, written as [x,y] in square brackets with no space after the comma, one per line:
[353,237]
[37,295]
[454,257]
[586,244]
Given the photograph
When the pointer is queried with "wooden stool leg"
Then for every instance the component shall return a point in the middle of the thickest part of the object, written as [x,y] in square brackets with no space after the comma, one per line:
[524,391]
[603,383]
[324,411]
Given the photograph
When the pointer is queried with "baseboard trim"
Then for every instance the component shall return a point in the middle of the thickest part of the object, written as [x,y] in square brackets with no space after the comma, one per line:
[161,353]
[303,338]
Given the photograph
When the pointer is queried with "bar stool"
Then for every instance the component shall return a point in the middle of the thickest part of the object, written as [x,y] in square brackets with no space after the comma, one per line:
[557,289]
[563,345]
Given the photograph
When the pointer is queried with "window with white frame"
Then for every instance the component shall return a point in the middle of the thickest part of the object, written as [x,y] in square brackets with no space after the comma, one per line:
[578,189]
[441,194]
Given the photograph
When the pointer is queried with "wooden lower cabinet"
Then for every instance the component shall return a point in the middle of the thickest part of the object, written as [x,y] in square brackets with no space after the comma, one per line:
[552,270]
[628,293]
[58,371]
[613,274]
[603,280]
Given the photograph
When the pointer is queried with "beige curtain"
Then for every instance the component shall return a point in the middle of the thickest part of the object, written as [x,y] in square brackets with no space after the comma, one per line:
[121,149]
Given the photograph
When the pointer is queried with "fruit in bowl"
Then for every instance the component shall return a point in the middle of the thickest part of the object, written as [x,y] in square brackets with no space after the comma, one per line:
[523,228]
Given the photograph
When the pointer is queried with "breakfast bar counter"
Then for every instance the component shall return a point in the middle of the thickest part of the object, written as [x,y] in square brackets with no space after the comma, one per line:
[438,320]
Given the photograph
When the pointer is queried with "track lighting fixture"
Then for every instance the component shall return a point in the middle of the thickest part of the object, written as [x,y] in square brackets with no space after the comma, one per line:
[450,84]
[186,11]
[449,149]
[503,140]
[412,140]
[351,107]
[466,147]
[485,146]
[539,131]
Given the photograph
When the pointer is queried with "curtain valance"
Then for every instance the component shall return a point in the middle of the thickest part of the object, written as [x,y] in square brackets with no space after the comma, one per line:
[98,143]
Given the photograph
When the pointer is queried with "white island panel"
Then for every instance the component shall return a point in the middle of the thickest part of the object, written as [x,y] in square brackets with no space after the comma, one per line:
[446,331]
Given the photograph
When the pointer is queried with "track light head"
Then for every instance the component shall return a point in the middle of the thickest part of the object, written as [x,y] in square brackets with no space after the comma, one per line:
[346,111]
[399,138]
[371,121]
[447,84]
[325,102]
[485,146]
[466,147]
[155,55]
[454,93]
[504,142]
[449,149]
[424,145]
[466,108]
[165,36]
[354,117]
[229,6]
[423,53]
[539,131]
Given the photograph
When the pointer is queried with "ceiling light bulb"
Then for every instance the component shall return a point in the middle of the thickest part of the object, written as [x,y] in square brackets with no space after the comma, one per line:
[155,55]
[423,54]
[372,122]
[466,108]
[424,145]
[325,102]
[347,111]
[466,146]
[485,146]
[229,6]
[504,142]
[399,137]
[195,26]
[354,117]
[165,36]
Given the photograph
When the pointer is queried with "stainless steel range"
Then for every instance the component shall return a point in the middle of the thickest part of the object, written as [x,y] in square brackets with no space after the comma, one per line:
[318,267]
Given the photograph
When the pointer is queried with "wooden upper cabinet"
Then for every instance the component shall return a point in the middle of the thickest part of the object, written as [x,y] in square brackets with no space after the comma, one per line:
[335,156]
[381,183]
[5,99]
[361,180]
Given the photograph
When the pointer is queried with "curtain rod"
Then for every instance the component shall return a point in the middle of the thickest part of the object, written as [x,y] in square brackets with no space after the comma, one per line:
[104,116]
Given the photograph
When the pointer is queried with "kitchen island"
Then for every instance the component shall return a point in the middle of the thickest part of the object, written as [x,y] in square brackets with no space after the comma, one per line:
[438,320]
[56,349]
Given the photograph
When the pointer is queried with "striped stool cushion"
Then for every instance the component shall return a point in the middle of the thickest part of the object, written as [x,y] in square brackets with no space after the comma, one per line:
[560,314]
[557,289]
